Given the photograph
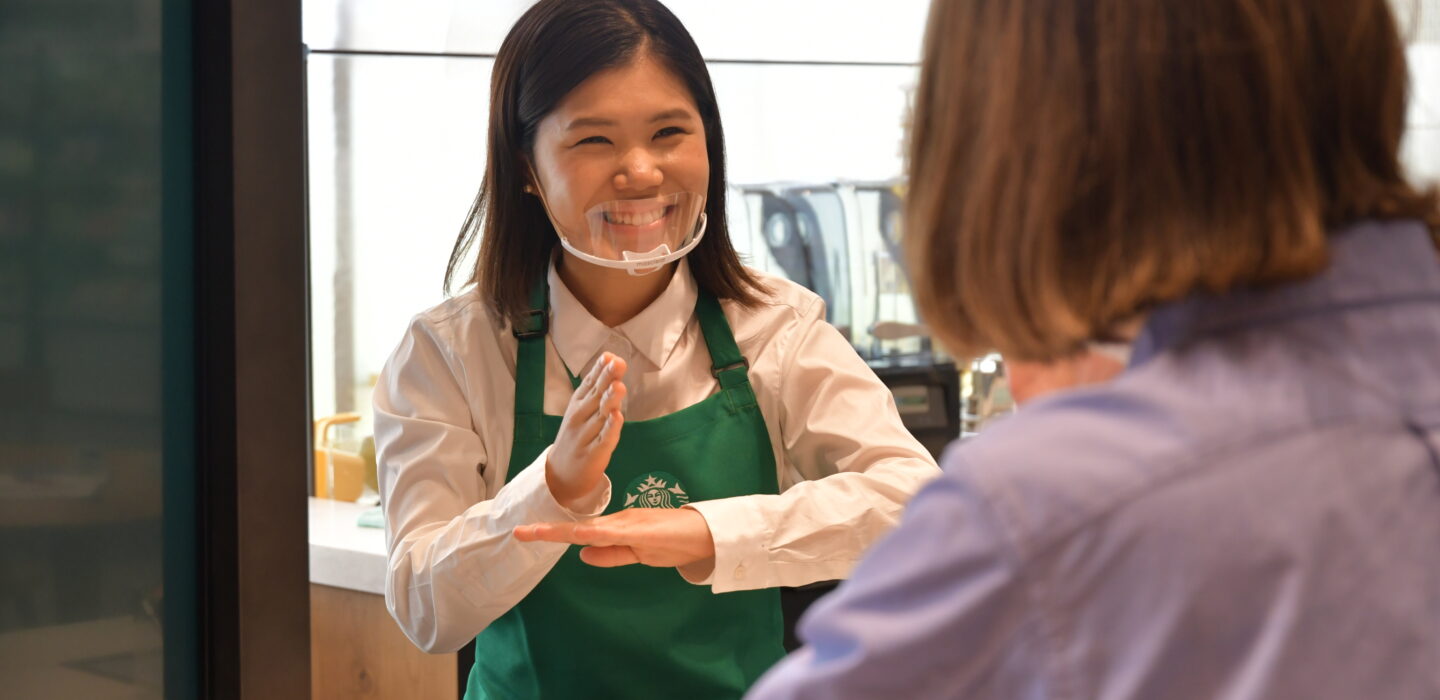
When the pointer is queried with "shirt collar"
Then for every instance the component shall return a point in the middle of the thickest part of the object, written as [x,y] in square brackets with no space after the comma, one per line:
[654,332]
[1371,262]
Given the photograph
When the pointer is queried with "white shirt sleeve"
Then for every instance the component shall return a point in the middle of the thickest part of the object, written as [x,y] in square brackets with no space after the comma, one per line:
[454,566]
[842,433]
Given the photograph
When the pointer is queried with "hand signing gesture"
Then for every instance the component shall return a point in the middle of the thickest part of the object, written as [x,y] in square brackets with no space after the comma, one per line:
[588,433]
[677,537]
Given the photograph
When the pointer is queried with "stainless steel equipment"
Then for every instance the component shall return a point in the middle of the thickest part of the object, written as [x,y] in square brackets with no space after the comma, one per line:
[841,240]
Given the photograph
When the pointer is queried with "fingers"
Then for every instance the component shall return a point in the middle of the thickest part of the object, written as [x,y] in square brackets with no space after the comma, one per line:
[625,538]
[606,418]
[608,436]
[602,378]
[589,380]
[599,555]
[568,533]
[609,401]
[599,380]
[617,366]
[606,413]
[614,396]
[541,532]
[545,532]
[609,556]
[609,368]
[609,381]
[592,384]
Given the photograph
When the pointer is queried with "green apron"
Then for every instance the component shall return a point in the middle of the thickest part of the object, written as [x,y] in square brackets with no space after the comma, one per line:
[637,631]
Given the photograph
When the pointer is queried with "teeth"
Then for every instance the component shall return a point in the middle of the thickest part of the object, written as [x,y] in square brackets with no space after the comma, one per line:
[635,218]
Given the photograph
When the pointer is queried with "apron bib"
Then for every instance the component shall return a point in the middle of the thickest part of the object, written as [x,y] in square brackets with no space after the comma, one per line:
[637,631]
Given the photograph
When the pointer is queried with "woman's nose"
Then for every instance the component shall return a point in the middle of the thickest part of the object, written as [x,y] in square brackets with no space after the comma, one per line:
[638,171]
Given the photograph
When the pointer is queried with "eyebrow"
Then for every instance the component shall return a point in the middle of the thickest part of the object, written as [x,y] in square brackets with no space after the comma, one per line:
[677,113]
[585,122]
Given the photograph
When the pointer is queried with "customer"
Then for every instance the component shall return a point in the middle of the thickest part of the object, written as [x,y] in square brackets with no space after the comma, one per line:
[1252,509]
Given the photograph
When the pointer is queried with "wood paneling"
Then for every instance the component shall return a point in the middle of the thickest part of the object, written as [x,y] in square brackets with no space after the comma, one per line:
[357,651]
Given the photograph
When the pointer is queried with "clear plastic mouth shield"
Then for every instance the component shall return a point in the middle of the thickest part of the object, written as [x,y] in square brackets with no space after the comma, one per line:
[640,235]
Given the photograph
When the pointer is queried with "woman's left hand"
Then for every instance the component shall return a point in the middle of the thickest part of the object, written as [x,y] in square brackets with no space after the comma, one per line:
[677,537]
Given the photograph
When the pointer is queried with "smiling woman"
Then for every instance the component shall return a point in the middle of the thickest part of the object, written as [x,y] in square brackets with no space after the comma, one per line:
[611,336]
[590,104]
[621,168]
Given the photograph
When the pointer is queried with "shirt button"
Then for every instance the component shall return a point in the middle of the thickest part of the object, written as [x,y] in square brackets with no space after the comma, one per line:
[740,573]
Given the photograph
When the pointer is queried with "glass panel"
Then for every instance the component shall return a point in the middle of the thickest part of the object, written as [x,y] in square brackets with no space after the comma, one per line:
[792,30]
[81,425]
[396,156]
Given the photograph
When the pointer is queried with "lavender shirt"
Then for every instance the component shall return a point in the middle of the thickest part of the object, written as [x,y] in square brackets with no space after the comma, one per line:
[1252,510]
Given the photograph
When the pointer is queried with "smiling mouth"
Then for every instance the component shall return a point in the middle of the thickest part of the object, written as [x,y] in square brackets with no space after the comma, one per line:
[644,217]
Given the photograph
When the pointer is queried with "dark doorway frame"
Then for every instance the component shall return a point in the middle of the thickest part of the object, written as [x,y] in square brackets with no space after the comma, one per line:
[252,360]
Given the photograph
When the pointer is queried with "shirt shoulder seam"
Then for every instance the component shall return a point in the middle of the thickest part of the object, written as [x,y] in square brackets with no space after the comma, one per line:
[457,306]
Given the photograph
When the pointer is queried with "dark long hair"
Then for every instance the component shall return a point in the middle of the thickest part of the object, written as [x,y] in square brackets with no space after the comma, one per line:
[554,47]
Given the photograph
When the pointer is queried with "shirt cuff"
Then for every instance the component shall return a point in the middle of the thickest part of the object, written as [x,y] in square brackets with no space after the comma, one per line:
[689,571]
[529,487]
[739,530]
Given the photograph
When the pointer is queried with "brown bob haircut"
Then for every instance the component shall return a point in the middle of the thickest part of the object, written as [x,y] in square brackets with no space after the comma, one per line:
[1076,162]
[555,46]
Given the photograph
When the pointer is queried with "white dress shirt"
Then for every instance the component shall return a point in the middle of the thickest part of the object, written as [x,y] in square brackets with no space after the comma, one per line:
[444,418]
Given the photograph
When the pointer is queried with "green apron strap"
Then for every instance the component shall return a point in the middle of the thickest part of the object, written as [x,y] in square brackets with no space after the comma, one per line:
[727,364]
[730,368]
[530,364]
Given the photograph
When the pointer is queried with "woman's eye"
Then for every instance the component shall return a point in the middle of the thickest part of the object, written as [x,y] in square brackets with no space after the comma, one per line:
[592,139]
[669,131]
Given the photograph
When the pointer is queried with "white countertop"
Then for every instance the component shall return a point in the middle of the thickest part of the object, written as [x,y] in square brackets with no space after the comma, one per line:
[343,554]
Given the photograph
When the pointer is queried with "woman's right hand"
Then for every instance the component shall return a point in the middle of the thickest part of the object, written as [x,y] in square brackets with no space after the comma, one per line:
[588,433]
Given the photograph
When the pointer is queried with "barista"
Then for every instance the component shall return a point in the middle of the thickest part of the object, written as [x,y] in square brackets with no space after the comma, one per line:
[616,378]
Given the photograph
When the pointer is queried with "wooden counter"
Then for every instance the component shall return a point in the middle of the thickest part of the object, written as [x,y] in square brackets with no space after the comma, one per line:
[357,651]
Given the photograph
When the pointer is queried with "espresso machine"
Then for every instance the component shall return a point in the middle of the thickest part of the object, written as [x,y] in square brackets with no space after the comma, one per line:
[842,241]
[799,232]
[925,381]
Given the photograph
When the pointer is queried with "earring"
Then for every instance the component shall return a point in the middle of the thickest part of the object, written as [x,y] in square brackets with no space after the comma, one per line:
[529,189]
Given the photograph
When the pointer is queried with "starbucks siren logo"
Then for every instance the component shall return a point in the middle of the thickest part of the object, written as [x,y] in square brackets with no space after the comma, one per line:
[655,490]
